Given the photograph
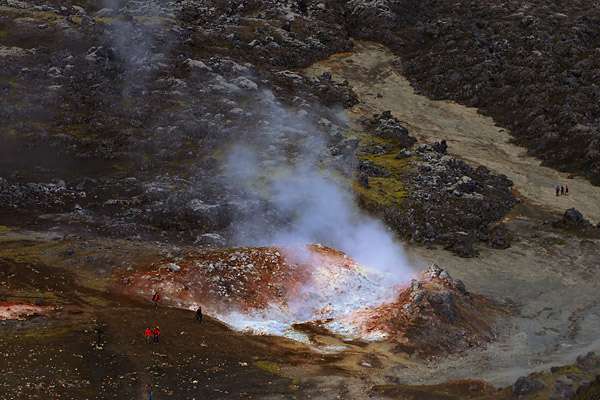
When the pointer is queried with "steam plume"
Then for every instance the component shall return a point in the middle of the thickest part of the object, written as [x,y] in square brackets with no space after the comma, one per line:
[296,178]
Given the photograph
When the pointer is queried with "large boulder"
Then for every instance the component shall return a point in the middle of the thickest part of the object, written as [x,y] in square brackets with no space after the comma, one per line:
[435,315]
[573,217]
[588,361]
[526,385]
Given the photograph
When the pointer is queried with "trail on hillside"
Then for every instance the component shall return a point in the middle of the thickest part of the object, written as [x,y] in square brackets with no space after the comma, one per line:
[374,72]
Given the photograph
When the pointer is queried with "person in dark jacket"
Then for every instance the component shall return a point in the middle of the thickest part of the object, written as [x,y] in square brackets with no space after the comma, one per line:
[156,334]
[149,391]
[557,190]
[156,299]
[199,314]
[566,190]
[562,190]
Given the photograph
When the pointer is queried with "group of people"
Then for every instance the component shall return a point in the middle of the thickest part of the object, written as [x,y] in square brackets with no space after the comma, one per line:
[153,335]
[562,190]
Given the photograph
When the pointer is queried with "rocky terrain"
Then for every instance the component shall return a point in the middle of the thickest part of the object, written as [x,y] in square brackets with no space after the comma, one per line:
[150,101]
[197,148]
[436,315]
[531,65]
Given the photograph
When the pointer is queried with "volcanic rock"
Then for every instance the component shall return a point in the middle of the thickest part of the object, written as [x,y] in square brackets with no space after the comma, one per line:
[588,361]
[213,239]
[363,180]
[440,147]
[563,389]
[573,217]
[368,168]
[173,267]
[404,153]
[435,315]
[462,244]
[389,127]
[574,220]
[453,204]
[525,385]
[500,237]
[38,196]
[547,46]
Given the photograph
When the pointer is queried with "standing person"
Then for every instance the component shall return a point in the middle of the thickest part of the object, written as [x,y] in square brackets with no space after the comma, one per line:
[156,299]
[149,391]
[148,335]
[199,314]
[557,190]
[562,190]
[156,333]
[566,190]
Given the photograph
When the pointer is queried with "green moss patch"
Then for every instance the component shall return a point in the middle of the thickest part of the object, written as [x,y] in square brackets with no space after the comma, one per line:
[384,191]
[269,366]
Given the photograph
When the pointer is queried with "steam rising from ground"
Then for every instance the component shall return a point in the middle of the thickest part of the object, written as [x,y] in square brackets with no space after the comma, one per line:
[288,164]
[285,162]
[335,292]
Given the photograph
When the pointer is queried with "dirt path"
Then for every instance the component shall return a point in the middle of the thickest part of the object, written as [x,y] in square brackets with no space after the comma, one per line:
[370,70]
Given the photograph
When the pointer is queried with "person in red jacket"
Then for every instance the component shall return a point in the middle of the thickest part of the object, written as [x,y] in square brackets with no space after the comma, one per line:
[148,335]
[156,333]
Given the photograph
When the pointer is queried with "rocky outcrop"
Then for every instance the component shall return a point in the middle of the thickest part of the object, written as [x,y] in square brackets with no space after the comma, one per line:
[574,220]
[435,315]
[38,196]
[387,126]
[453,204]
[147,106]
[577,381]
[525,385]
[528,65]
[154,124]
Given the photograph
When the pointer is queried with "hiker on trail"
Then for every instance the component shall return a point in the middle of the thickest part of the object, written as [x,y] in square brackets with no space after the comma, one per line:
[156,334]
[557,190]
[199,314]
[149,391]
[156,299]
[566,190]
[148,335]
[562,190]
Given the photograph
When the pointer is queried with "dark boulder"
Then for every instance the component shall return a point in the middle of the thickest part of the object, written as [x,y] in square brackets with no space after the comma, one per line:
[588,361]
[463,246]
[363,180]
[444,305]
[525,385]
[500,237]
[440,147]
[369,168]
[573,217]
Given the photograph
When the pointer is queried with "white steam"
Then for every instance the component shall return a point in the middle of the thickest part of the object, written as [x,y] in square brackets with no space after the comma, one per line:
[288,164]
